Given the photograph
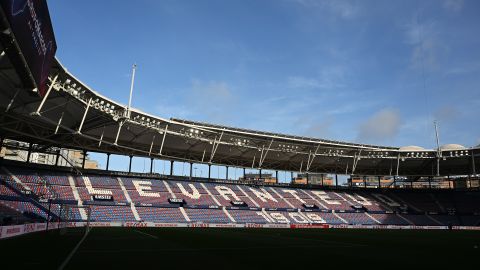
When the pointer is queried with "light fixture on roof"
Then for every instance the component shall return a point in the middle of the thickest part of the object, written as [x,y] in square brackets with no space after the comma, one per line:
[192,133]
[240,141]
[288,148]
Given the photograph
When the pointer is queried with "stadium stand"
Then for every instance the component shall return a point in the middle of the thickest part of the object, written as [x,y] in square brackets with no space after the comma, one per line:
[155,214]
[207,215]
[111,213]
[128,199]
[9,216]
[357,218]
[243,216]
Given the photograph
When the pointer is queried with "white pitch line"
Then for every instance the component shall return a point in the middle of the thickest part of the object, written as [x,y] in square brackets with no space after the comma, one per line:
[69,257]
[147,234]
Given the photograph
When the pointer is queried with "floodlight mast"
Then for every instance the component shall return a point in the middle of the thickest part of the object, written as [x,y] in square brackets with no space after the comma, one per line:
[134,67]
[439,152]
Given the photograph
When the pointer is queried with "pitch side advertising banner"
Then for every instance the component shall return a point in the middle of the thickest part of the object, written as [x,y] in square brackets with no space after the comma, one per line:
[15,230]
[31,25]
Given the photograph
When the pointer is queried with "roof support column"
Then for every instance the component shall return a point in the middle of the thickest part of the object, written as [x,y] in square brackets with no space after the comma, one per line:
[12,100]
[263,154]
[151,165]
[84,158]
[29,152]
[355,161]
[163,141]
[191,170]
[37,112]
[130,164]
[84,116]
[57,157]
[108,161]
[398,164]
[151,146]
[209,170]
[260,173]
[276,176]
[438,166]
[244,174]
[336,180]
[120,124]
[171,167]
[379,182]
[226,173]
[311,157]
[101,137]
[291,177]
[60,122]
[322,179]
[474,171]
[308,180]
[215,146]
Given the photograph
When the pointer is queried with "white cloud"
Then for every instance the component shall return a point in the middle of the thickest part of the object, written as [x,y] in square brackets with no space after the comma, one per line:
[206,93]
[328,78]
[426,44]
[356,104]
[211,101]
[465,68]
[303,82]
[166,110]
[318,129]
[381,126]
[345,9]
[453,5]
[447,113]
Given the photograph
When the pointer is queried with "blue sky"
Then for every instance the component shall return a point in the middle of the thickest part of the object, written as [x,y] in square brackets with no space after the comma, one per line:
[363,71]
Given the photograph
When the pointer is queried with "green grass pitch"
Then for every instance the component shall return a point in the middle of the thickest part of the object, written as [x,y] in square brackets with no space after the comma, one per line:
[212,248]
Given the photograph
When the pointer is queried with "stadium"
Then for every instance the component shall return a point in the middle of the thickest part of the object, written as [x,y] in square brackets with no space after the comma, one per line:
[398,205]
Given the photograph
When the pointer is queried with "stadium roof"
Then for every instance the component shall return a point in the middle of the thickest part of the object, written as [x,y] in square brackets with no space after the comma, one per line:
[75,116]
[452,147]
[411,148]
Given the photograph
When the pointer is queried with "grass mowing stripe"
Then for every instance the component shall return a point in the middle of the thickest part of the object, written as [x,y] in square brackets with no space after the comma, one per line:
[288,235]
[209,249]
[123,248]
